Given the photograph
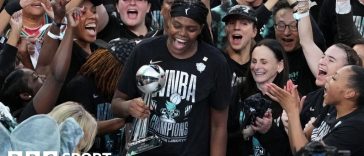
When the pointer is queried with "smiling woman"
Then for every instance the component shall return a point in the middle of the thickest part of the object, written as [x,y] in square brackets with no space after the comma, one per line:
[182,40]
[342,124]
[261,114]
[132,21]
[85,32]
[185,26]
[198,76]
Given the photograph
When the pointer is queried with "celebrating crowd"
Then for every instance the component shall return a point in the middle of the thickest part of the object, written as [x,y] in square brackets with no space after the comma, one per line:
[237,77]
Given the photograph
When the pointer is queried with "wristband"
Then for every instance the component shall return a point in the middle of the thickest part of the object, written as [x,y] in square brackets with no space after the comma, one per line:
[53,36]
[58,24]
[12,7]
[298,16]
[3,39]
[343,7]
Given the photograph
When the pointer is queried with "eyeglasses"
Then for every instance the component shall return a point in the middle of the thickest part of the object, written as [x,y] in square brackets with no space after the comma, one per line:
[135,1]
[282,26]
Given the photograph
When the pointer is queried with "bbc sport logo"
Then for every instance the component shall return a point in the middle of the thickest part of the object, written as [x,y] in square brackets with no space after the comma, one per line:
[52,153]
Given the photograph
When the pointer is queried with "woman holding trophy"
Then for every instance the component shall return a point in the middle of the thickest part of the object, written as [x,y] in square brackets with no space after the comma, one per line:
[188,99]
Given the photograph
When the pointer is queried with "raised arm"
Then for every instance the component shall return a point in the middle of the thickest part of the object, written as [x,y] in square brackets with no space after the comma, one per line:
[47,96]
[264,12]
[10,8]
[100,10]
[291,104]
[346,29]
[269,4]
[5,17]
[47,52]
[311,51]
[8,54]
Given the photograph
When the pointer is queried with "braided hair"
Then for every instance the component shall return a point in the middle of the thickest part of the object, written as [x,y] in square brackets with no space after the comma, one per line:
[105,69]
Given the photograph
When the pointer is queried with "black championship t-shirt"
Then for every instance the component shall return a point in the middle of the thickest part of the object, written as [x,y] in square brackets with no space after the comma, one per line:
[313,106]
[180,113]
[345,133]
[235,138]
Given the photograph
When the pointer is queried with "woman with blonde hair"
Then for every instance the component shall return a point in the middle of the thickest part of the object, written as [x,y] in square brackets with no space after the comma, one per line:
[83,118]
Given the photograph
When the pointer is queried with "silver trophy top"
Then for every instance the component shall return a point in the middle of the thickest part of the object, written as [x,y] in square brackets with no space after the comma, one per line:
[150,78]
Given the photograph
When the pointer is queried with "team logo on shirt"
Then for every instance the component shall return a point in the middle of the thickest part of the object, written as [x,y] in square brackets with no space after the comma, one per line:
[200,67]
[171,111]
[171,122]
[312,109]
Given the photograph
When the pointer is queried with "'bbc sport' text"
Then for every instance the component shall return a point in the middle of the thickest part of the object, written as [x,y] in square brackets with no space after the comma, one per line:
[52,153]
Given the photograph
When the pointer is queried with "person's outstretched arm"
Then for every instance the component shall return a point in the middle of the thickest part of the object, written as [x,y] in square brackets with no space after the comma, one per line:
[8,54]
[311,51]
[289,100]
[47,52]
[346,29]
[264,12]
[46,97]
[11,7]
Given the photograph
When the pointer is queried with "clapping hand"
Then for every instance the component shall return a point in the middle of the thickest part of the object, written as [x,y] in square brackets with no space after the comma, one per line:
[288,97]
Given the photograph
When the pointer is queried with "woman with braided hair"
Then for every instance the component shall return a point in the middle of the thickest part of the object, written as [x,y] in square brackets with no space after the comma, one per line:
[105,69]
[95,85]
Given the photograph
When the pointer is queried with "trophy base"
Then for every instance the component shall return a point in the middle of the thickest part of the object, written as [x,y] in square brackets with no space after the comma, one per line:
[143,145]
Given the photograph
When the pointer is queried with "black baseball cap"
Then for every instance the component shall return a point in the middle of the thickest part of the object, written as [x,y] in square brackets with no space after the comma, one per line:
[241,11]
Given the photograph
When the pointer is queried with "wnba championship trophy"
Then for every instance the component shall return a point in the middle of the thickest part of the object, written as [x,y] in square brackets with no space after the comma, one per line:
[150,79]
